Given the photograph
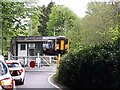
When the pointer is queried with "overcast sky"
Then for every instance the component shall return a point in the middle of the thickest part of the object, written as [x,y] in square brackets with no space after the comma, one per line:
[78,6]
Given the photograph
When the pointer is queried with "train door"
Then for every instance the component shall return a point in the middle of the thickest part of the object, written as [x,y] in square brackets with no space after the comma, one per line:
[62,45]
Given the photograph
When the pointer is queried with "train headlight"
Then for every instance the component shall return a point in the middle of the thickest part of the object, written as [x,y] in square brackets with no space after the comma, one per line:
[57,47]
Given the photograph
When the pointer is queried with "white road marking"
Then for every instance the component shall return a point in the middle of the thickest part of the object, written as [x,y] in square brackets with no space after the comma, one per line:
[51,73]
[52,83]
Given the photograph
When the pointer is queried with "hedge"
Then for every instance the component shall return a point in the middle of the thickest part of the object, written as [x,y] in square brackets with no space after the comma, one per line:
[93,67]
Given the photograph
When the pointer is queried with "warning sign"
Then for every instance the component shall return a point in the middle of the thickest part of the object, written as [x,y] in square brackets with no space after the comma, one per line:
[32,64]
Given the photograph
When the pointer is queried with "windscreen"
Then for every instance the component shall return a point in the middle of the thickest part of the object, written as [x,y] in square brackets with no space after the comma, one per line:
[13,65]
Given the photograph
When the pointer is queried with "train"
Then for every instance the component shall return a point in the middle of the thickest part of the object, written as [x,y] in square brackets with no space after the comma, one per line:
[32,45]
[55,45]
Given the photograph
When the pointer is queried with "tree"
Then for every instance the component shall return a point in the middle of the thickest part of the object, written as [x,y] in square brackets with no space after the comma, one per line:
[61,19]
[33,21]
[100,21]
[44,18]
[12,15]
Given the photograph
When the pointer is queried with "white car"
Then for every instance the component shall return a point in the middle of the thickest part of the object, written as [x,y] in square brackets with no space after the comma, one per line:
[6,80]
[16,70]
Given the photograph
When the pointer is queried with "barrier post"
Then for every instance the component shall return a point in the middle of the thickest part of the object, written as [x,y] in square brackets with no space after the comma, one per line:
[38,60]
[58,60]
[50,60]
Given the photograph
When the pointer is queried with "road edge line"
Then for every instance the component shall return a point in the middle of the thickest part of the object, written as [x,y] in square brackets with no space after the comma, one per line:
[52,83]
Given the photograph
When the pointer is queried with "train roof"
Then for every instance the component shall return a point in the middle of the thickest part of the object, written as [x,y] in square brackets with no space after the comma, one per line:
[49,37]
[53,37]
[34,38]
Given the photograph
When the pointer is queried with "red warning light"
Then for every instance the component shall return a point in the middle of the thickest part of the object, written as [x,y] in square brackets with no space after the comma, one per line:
[32,64]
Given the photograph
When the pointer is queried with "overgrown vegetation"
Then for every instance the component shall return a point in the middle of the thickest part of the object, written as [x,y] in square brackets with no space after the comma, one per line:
[98,26]
[94,61]
[92,67]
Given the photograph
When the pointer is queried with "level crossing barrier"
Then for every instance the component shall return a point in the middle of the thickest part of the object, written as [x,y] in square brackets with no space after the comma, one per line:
[42,63]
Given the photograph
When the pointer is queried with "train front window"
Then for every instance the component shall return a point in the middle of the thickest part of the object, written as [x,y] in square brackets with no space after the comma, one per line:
[58,41]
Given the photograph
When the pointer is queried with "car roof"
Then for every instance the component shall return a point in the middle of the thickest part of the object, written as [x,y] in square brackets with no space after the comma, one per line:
[12,61]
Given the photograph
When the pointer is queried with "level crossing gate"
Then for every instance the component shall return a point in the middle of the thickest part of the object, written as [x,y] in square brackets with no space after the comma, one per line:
[38,63]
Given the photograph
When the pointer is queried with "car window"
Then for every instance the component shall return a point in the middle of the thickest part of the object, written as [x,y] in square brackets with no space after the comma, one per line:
[13,65]
[3,68]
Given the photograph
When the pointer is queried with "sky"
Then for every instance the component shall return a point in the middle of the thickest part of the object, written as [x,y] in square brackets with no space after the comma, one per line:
[77,6]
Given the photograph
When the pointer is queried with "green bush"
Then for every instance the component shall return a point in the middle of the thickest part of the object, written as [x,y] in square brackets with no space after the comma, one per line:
[93,67]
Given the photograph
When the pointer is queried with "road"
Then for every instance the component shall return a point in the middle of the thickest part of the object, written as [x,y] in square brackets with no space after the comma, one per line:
[37,80]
